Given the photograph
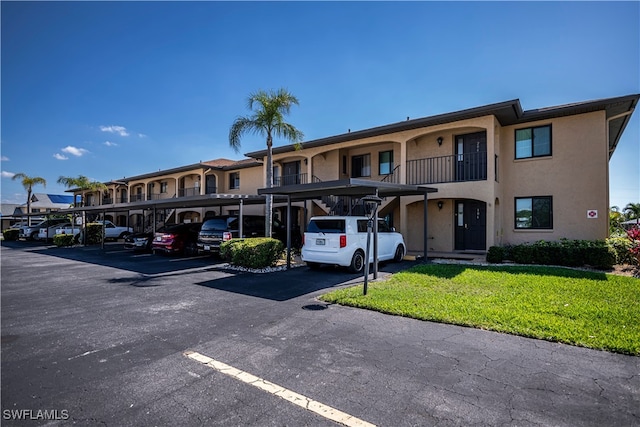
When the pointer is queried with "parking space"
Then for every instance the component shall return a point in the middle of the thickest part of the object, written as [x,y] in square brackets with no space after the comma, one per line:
[104,335]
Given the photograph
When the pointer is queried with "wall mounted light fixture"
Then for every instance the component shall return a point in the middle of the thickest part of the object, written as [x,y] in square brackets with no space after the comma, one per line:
[440,204]
[440,139]
[306,161]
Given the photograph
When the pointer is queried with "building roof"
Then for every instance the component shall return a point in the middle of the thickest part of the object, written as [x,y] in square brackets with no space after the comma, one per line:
[618,112]
[42,200]
[218,164]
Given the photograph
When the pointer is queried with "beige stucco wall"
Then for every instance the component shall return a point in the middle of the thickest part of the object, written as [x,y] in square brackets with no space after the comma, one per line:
[575,175]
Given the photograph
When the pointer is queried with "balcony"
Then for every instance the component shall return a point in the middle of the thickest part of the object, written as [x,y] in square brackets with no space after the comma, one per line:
[137,197]
[107,201]
[281,181]
[444,169]
[188,191]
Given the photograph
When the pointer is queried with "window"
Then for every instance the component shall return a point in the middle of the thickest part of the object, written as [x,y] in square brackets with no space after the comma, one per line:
[361,166]
[533,142]
[163,187]
[234,180]
[385,164]
[534,212]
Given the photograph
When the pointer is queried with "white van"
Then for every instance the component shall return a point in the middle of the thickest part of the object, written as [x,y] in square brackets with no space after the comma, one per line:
[342,240]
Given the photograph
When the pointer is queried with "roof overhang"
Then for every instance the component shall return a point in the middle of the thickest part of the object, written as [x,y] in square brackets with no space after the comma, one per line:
[618,113]
[347,187]
[200,201]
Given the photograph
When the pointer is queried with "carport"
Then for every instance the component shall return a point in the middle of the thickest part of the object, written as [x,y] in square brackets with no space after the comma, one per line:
[352,187]
[198,201]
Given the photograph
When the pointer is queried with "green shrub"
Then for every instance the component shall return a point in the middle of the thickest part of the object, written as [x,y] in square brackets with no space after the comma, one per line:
[621,247]
[496,254]
[93,231]
[569,253]
[63,240]
[259,252]
[10,234]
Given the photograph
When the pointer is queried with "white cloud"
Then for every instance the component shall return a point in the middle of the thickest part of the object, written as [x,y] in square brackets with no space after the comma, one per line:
[110,144]
[4,158]
[60,156]
[6,174]
[69,149]
[142,135]
[120,130]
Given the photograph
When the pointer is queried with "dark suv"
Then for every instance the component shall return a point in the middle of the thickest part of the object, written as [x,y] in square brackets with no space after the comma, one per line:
[219,229]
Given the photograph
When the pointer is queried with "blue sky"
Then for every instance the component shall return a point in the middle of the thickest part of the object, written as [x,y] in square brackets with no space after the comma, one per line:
[114,89]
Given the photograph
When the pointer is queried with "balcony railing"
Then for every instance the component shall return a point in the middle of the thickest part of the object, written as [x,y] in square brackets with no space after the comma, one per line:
[456,168]
[211,189]
[393,177]
[123,199]
[281,181]
[107,201]
[188,191]
[137,197]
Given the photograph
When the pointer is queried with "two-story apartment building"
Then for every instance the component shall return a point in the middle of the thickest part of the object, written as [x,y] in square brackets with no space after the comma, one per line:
[503,175]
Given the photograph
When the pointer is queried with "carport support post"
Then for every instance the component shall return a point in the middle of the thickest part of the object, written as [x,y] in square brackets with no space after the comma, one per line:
[288,232]
[103,230]
[240,218]
[424,236]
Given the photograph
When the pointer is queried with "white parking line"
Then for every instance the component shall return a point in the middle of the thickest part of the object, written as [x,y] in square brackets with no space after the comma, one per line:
[293,397]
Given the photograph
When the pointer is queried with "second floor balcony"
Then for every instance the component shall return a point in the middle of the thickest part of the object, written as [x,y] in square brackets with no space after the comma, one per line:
[280,181]
[444,169]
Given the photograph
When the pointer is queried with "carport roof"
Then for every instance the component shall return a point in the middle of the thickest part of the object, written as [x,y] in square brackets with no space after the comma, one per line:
[347,187]
[199,201]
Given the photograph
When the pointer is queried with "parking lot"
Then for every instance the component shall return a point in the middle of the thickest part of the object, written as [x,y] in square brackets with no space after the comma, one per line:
[107,337]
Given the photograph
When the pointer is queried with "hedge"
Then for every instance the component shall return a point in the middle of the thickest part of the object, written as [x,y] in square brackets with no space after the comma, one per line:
[10,234]
[63,239]
[258,252]
[570,253]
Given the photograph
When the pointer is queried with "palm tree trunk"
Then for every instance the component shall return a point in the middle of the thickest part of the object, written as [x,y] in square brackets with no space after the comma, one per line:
[29,206]
[269,201]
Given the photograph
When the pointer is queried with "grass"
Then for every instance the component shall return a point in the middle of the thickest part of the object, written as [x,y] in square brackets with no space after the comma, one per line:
[582,308]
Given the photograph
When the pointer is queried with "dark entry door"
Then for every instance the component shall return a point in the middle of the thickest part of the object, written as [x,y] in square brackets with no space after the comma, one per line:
[471,225]
[471,157]
[291,173]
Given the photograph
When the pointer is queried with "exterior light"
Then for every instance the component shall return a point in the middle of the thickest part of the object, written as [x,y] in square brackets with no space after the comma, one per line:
[440,139]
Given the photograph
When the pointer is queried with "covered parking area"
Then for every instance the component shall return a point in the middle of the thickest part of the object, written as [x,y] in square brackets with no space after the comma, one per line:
[199,201]
[351,187]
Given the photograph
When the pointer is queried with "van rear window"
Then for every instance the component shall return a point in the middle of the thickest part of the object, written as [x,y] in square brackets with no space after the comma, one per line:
[326,226]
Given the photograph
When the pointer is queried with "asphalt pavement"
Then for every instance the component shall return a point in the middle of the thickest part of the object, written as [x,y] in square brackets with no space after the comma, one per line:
[96,336]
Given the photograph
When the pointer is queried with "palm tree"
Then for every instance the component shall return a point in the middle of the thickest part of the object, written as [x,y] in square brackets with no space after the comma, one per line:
[632,210]
[267,120]
[28,182]
[81,183]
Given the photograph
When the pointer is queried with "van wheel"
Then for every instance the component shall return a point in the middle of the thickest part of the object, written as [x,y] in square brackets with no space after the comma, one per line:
[399,256]
[357,262]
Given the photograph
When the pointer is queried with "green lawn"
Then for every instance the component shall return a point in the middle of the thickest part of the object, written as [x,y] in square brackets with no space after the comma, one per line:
[588,309]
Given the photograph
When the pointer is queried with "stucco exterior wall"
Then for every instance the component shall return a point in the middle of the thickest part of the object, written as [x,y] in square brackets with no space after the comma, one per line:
[575,175]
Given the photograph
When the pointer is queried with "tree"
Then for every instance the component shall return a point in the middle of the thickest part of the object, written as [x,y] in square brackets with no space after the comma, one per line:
[28,182]
[632,211]
[83,184]
[267,120]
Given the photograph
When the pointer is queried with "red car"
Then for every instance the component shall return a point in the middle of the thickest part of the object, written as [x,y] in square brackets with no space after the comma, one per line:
[177,239]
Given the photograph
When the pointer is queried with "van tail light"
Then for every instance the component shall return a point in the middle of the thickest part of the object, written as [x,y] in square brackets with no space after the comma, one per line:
[343,241]
[226,236]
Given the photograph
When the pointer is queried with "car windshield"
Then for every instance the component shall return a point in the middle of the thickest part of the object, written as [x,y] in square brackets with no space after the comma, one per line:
[326,226]
[218,224]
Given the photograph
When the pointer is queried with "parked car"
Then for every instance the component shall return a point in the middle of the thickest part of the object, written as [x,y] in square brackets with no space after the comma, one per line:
[111,231]
[219,229]
[31,232]
[47,233]
[177,239]
[342,240]
[139,242]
